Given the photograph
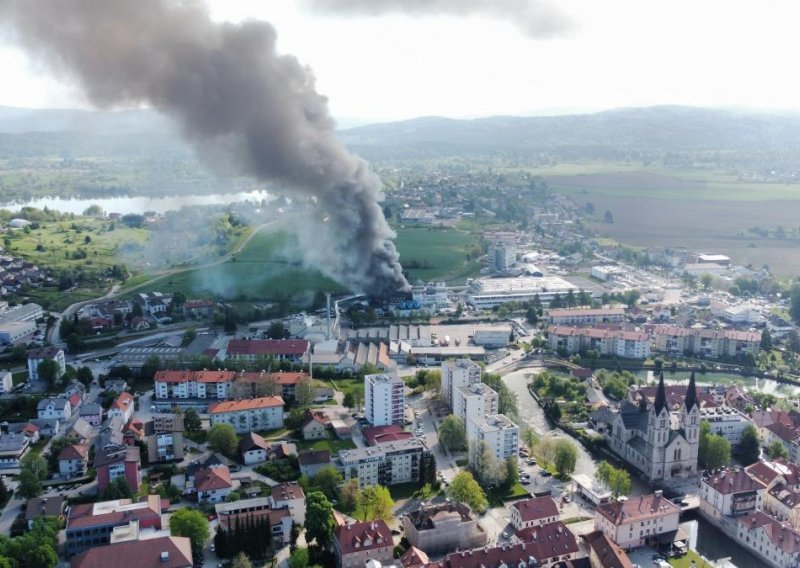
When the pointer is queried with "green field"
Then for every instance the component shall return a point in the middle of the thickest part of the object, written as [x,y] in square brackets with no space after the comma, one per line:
[436,254]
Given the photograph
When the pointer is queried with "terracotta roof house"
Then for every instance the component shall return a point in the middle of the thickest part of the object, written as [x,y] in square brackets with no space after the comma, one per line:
[72,461]
[357,542]
[604,552]
[160,552]
[122,407]
[290,496]
[375,435]
[533,512]
[616,519]
[253,448]
[249,415]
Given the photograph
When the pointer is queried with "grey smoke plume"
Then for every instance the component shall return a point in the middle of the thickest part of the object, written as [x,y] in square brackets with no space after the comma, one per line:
[535,18]
[234,98]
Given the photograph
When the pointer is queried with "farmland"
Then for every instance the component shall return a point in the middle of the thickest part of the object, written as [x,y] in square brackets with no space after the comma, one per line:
[432,253]
[754,223]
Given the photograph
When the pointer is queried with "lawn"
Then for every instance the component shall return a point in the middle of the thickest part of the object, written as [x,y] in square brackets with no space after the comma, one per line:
[686,561]
[355,386]
[498,496]
[331,444]
[436,254]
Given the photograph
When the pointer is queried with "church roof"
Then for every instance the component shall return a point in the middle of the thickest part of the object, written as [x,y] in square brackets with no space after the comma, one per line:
[661,396]
[633,417]
[691,393]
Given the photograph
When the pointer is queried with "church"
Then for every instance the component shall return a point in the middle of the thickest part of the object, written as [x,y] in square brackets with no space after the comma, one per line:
[660,443]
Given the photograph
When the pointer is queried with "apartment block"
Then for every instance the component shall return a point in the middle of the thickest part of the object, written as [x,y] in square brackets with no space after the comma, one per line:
[249,415]
[384,399]
[384,464]
[474,401]
[498,431]
[625,344]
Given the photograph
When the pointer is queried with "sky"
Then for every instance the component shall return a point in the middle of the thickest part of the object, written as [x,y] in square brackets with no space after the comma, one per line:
[613,53]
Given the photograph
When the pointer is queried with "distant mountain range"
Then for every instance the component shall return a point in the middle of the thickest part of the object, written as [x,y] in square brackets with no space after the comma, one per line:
[653,129]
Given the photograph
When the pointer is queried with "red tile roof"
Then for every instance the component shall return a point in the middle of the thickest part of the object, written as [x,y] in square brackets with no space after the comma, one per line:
[288,347]
[381,434]
[353,538]
[607,551]
[414,557]
[287,491]
[285,378]
[81,516]
[147,553]
[74,452]
[209,479]
[314,457]
[727,482]
[197,376]
[123,402]
[638,508]
[536,508]
[781,535]
[246,404]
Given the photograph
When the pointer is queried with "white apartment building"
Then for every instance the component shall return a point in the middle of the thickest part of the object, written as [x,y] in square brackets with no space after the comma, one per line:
[637,520]
[725,421]
[625,344]
[474,401]
[6,382]
[460,373]
[384,399]
[585,316]
[37,356]
[730,493]
[384,464]
[487,293]
[249,415]
[499,433]
[194,384]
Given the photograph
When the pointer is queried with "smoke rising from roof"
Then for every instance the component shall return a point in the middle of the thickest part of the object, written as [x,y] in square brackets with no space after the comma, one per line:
[235,99]
[534,18]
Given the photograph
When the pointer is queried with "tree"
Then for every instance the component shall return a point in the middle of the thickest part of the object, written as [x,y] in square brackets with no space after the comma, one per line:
[545,452]
[565,458]
[777,450]
[295,419]
[750,445]
[117,489]
[327,480]
[277,330]
[512,472]
[49,371]
[150,367]
[376,502]
[191,420]
[464,488]
[706,279]
[30,485]
[793,341]
[242,561]
[427,470]
[304,392]
[349,400]
[348,495]
[766,340]
[85,375]
[714,451]
[319,519]
[483,464]
[608,217]
[299,558]
[190,523]
[222,438]
[453,433]
[529,437]
[618,480]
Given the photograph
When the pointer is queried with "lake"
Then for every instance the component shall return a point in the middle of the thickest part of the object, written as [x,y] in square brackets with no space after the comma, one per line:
[127,205]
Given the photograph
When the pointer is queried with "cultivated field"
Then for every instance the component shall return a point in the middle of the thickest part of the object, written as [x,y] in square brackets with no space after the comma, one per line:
[436,254]
[711,215]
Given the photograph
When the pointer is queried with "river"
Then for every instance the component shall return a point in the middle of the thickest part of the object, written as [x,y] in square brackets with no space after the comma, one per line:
[138,204]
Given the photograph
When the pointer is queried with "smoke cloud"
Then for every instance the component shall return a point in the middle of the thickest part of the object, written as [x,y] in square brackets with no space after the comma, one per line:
[535,18]
[235,99]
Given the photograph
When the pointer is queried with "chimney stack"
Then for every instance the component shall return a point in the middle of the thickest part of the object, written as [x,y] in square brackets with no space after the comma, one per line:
[328,298]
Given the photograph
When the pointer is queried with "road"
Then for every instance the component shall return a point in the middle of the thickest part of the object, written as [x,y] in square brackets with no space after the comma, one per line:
[54,334]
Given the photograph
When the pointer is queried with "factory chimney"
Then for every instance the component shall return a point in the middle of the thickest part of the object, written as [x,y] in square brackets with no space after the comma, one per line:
[328,334]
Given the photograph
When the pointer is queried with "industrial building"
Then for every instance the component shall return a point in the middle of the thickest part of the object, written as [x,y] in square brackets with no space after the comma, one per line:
[487,293]
[499,433]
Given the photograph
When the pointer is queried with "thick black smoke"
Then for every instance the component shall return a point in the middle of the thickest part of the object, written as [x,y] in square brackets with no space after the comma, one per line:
[235,98]
[535,18]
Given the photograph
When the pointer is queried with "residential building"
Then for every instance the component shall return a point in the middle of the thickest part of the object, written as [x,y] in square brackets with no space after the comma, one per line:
[604,552]
[533,512]
[474,401]
[6,382]
[356,543]
[38,507]
[113,461]
[502,256]
[730,493]
[253,349]
[783,503]
[637,520]
[37,356]
[158,552]
[311,461]
[726,422]
[443,527]
[287,382]
[499,433]
[384,399]
[770,473]
[774,542]
[164,438]
[12,449]
[786,431]
[79,432]
[585,316]
[54,408]
[487,293]
[290,496]
[90,525]
[122,407]
[253,448]
[709,343]
[280,520]
[458,373]
[314,427]
[613,342]
[72,461]
[653,440]
[385,464]
[213,484]
[263,413]
[203,386]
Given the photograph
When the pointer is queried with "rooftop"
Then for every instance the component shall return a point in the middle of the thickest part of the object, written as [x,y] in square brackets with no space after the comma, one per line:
[210,479]
[638,508]
[247,404]
[287,491]
[536,508]
[361,537]
[291,347]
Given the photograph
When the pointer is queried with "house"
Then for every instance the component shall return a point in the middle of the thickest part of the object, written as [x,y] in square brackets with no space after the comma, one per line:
[314,427]
[290,496]
[638,520]
[112,461]
[280,520]
[443,527]
[213,485]
[158,552]
[79,432]
[730,492]
[533,512]
[122,407]
[604,552]
[37,356]
[72,461]
[47,426]
[53,506]
[355,543]
[252,349]
[288,383]
[12,448]
[117,386]
[54,408]
[783,504]
[92,413]
[774,542]
[263,413]
[253,448]
[90,525]
[312,461]
[27,429]
[75,388]
[75,401]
